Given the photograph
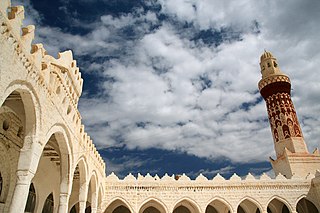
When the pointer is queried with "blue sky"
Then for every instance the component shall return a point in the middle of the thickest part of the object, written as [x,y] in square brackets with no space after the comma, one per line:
[171,86]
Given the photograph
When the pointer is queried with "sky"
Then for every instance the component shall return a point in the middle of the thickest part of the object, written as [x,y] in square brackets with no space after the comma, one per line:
[171,86]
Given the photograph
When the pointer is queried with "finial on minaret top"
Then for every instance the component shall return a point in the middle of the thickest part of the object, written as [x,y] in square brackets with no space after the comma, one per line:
[269,65]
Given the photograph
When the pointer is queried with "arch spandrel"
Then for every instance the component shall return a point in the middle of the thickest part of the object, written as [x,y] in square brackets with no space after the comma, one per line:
[153,202]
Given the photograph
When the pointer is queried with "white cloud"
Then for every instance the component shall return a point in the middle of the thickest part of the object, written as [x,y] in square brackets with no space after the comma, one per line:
[212,173]
[159,76]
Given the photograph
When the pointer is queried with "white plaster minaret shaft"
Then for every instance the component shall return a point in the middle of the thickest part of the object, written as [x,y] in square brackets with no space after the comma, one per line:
[290,147]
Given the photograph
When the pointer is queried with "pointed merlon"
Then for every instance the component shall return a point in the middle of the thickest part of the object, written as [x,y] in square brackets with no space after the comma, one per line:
[218,178]
[235,177]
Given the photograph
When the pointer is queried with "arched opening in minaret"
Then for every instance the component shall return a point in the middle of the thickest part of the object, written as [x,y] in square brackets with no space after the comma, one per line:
[306,206]
[277,206]
[248,206]
[218,206]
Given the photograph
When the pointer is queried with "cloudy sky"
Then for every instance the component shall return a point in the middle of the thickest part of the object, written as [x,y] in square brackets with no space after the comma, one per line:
[171,85]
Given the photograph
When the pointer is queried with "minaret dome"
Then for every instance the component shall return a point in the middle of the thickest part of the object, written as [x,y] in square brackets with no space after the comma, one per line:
[269,65]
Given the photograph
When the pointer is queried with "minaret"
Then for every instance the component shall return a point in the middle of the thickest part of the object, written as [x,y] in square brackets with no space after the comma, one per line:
[291,150]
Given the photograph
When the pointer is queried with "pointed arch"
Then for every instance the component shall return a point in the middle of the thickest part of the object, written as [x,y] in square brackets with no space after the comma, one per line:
[48,205]
[249,204]
[220,204]
[22,100]
[93,192]
[277,203]
[82,162]
[31,103]
[305,205]
[94,178]
[79,187]
[63,139]
[189,203]
[31,200]
[117,202]
[153,202]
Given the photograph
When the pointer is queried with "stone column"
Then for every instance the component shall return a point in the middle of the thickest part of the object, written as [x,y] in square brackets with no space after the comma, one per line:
[83,192]
[21,192]
[94,202]
[63,204]
[82,206]
[27,167]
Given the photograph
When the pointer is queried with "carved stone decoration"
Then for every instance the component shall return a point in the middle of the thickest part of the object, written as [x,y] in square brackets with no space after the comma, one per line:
[282,117]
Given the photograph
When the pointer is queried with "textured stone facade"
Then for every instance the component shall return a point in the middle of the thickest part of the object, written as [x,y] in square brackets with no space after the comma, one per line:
[42,139]
[47,160]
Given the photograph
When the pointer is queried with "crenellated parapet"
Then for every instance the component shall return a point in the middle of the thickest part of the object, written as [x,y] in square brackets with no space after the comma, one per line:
[201,183]
[86,141]
[184,179]
[65,69]
[59,78]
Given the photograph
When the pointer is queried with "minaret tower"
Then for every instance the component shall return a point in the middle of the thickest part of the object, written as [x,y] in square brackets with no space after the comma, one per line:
[291,150]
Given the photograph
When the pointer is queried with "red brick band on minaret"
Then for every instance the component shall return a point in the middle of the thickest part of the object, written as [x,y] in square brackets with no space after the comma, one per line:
[276,87]
[282,115]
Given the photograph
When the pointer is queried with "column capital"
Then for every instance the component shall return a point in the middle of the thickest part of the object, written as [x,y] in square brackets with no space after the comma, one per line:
[24,177]
[29,141]
[64,197]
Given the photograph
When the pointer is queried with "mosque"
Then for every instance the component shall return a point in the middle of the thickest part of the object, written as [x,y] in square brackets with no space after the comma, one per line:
[49,164]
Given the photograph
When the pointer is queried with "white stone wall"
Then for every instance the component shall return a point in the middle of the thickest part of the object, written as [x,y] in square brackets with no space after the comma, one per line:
[167,193]
[46,93]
